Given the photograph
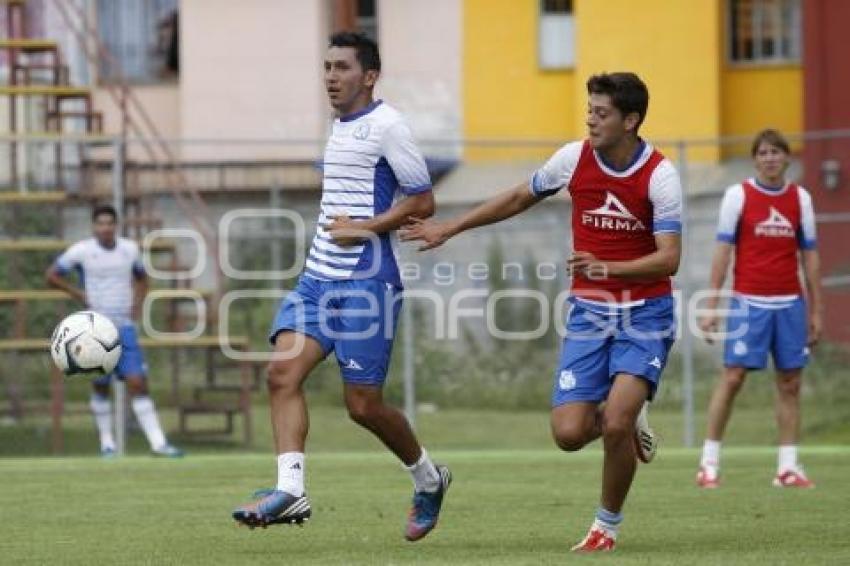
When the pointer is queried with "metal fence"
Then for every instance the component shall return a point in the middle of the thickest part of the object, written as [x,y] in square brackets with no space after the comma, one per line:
[247,239]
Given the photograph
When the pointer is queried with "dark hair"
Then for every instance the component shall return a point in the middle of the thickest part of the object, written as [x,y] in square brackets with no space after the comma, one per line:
[367,50]
[771,136]
[628,93]
[104,209]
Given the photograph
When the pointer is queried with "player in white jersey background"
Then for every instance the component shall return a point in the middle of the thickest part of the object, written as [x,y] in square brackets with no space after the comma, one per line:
[348,297]
[113,283]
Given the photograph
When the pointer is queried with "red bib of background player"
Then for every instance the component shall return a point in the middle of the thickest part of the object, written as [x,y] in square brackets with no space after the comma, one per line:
[766,242]
[612,219]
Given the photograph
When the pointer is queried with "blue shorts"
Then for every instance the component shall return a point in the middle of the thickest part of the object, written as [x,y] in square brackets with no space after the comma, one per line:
[754,331]
[132,360]
[354,319]
[601,343]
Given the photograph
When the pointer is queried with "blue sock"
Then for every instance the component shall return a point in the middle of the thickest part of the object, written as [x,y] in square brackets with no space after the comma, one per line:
[608,519]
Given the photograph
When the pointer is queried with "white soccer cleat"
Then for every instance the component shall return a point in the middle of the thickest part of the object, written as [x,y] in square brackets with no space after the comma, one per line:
[646,441]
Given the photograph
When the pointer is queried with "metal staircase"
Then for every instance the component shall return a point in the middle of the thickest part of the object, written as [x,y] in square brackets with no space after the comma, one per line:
[38,86]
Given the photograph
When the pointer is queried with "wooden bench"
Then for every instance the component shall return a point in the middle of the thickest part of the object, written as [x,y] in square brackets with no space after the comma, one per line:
[21,298]
[13,295]
[59,137]
[235,342]
[29,45]
[46,90]
[7,296]
[55,245]
[32,197]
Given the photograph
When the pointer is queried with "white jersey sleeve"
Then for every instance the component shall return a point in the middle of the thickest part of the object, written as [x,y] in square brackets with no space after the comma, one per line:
[70,259]
[665,193]
[557,172]
[730,214]
[405,159]
[808,233]
[138,264]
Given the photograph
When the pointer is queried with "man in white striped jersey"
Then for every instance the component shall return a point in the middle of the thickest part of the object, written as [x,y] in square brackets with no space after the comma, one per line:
[348,298]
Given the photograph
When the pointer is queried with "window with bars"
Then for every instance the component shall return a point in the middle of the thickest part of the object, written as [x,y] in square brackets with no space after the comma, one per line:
[556,35]
[144,38]
[367,18]
[764,31]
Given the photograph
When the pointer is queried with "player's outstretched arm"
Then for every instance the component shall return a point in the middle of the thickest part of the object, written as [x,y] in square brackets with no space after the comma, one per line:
[347,232]
[54,279]
[811,273]
[502,206]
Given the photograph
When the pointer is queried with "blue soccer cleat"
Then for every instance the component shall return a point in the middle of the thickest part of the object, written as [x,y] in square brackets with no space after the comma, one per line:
[426,508]
[272,508]
[108,453]
[168,451]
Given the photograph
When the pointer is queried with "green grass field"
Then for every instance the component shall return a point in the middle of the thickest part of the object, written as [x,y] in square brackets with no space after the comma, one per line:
[456,429]
[505,507]
[515,500]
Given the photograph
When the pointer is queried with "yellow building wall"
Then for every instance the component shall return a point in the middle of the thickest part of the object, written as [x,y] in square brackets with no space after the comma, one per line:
[505,93]
[761,97]
[674,46]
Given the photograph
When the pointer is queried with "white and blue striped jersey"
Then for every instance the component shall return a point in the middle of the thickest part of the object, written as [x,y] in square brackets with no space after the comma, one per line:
[106,275]
[369,156]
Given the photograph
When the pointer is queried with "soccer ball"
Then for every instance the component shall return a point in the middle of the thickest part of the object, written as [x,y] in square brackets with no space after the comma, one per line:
[85,342]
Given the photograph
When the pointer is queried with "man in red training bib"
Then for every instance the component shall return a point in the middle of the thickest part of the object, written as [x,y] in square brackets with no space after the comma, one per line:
[768,223]
[626,235]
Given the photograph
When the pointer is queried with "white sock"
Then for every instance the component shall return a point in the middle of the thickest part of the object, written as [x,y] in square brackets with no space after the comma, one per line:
[290,473]
[711,455]
[608,521]
[146,415]
[101,407]
[425,475]
[787,458]
[643,417]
